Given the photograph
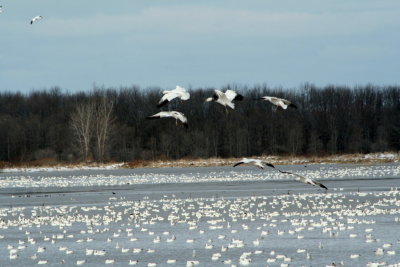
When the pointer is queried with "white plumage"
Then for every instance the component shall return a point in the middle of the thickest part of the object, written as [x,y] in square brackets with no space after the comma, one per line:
[305,179]
[256,162]
[279,102]
[35,19]
[226,98]
[168,96]
[171,114]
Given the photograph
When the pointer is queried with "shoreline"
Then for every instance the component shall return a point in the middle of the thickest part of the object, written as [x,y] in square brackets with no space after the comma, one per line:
[371,158]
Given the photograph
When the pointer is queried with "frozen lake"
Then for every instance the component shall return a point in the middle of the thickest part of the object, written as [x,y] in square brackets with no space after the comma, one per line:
[220,216]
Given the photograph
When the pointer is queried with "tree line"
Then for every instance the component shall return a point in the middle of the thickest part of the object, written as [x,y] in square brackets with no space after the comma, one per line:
[110,124]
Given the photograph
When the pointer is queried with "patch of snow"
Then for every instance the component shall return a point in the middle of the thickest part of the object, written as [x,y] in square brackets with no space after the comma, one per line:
[74,168]
[381,156]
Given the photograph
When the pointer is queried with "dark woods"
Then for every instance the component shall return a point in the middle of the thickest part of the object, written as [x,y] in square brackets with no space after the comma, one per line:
[110,124]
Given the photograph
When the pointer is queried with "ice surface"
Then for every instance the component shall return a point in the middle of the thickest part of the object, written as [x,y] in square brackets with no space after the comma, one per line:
[207,216]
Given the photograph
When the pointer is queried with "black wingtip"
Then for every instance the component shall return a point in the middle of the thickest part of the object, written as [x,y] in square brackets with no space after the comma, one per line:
[236,164]
[162,104]
[238,97]
[293,105]
[270,165]
[186,125]
[323,186]
[151,118]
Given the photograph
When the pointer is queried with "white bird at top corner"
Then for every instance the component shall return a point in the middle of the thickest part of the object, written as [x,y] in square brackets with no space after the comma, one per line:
[35,19]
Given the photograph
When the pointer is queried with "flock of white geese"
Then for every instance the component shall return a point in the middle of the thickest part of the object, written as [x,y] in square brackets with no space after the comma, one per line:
[207,231]
[226,99]
[181,231]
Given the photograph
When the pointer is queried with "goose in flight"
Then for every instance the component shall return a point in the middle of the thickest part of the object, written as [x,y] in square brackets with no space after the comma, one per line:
[171,114]
[305,179]
[278,102]
[226,98]
[256,162]
[35,19]
[169,95]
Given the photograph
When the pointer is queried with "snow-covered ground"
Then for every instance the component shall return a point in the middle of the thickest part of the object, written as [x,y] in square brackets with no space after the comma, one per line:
[123,177]
[64,168]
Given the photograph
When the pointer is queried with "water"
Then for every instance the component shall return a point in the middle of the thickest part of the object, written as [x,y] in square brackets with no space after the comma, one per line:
[190,214]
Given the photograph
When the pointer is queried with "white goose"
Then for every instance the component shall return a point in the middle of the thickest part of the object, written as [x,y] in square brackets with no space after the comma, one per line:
[35,19]
[306,180]
[170,95]
[256,162]
[278,102]
[171,114]
[226,98]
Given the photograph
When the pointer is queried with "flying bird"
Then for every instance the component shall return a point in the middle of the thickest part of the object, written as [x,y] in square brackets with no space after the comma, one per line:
[171,114]
[306,180]
[256,162]
[226,98]
[168,96]
[1,9]
[278,102]
[35,19]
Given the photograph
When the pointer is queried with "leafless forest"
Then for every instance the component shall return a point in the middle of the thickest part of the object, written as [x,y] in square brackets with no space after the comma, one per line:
[110,124]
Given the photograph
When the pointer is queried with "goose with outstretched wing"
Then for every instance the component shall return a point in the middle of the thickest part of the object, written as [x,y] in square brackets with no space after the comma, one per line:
[278,102]
[169,95]
[305,180]
[171,114]
[256,162]
[226,98]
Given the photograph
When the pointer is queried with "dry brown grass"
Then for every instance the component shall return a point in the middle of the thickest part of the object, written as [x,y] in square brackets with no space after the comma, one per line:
[213,162]
[278,160]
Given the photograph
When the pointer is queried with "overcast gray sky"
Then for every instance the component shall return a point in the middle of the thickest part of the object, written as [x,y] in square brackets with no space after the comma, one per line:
[195,44]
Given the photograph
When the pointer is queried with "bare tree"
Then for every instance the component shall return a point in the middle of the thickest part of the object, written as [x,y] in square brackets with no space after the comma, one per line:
[102,124]
[331,119]
[81,122]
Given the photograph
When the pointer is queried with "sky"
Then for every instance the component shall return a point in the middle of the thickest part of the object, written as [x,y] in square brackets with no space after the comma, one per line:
[198,44]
